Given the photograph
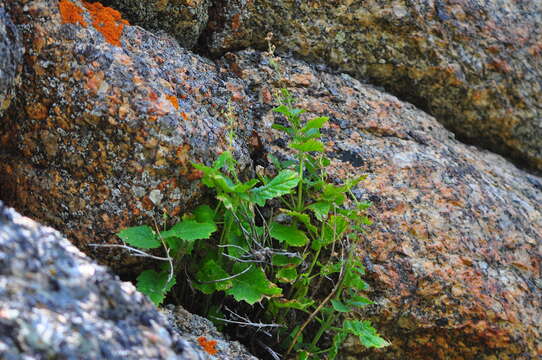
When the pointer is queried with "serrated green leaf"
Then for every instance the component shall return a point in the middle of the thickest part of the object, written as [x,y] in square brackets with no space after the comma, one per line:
[315,123]
[365,332]
[286,275]
[299,304]
[240,188]
[224,159]
[339,306]
[208,274]
[288,234]
[331,268]
[204,214]
[227,201]
[252,286]
[223,182]
[320,209]
[280,185]
[303,218]
[338,340]
[333,230]
[282,128]
[139,236]
[190,230]
[154,285]
[284,260]
[308,146]
[359,301]
[354,281]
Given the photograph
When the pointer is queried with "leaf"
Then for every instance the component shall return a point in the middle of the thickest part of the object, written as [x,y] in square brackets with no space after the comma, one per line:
[153,284]
[366,333]
[339,306]
[239,188]
[299,304]
[359,301]
[333,230]
[338,340]
[224,159]
[226,200]
[354,281]
[190,230]
[303,218]
[252,286]
[320,209]
[204,214]
[286,275]
[288,234]
[140,236]
[284,260]
[280,185]
[285,129]
[315,123]
[307,146]
[211,271]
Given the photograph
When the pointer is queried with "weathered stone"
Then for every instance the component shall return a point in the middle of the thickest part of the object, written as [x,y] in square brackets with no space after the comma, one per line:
[55,303]
[475,65]
[455,253]
[103,136]
[194,328]
[183,19]
[11,56]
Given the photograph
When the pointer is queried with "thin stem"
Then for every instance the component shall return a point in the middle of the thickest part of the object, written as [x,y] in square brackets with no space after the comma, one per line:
[332,294]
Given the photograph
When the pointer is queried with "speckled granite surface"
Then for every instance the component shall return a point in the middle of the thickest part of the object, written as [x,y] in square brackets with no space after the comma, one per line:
[55,303]
[475,65]
[103,136]
[455,253]
[183,19]
[11,56]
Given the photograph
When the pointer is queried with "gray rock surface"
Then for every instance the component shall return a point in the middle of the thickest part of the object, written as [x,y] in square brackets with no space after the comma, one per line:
[455,253]
[102,136]
[55,303]
[183,19]
[476,65]
[193,328]
[11,56]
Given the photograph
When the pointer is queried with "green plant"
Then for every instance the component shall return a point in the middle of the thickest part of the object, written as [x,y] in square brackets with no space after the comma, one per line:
[285,259]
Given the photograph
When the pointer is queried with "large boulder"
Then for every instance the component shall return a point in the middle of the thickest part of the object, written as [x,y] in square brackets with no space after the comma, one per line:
[455,253]
[11,56]
[108,121]
[475,65]
[55,303]
[183,19]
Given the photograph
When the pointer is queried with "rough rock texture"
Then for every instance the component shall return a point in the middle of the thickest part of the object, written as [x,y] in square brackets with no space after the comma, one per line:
[456,250]
[194,327]
[11,56]
[55,303]
[102,136]
[183,19]
[475,65]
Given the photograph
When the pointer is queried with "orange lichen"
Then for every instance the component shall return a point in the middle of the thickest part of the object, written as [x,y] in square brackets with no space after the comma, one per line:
[173,100]
[107,21]
[184,115]
[71,13]
[208,345]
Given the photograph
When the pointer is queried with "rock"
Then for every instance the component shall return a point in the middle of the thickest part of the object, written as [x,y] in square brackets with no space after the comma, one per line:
[199,329]
[183,19]
[11,55]
[105,128]
[475,65]
[455,253]
[55,303]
